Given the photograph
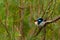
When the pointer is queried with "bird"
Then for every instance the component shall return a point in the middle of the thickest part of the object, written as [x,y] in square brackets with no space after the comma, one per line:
[40,22]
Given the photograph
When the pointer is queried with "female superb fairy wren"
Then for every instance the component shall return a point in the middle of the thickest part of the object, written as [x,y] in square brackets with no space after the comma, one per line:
[39,22]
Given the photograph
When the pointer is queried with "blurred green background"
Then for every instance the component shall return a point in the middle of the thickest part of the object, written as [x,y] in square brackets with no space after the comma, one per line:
[17,16]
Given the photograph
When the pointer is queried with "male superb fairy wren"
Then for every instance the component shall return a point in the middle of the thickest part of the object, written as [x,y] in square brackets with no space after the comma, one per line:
[39,22]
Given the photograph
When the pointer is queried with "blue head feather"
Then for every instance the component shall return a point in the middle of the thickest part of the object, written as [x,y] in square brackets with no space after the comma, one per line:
[39,20]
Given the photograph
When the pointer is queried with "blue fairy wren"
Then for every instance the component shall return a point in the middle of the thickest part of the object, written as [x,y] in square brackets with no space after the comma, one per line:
[39,22]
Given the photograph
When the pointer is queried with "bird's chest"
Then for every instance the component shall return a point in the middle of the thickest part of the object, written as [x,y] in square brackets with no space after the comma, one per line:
[42,24]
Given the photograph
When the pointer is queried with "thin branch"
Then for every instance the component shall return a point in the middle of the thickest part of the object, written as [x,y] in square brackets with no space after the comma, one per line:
[6,18]
[23,7]
[5,28]
[49,4]
[44,36]
[39,8]
[45,11]
[53,20]
[39,30]
[21,17]
[51,11]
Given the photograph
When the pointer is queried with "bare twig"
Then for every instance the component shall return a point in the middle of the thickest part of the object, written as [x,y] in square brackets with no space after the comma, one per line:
[21,14]
[23,7]
[43,10]
[53,20]
[5,28]
[6,18]
[46,10]
[39,30]
[51,11]
[39,8]
[44,36]
[49,4]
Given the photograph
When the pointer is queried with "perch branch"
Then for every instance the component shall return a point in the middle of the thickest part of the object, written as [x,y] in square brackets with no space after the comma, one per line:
[53,20]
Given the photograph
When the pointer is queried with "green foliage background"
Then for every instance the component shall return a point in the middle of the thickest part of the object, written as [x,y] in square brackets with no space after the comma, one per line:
[13,19]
